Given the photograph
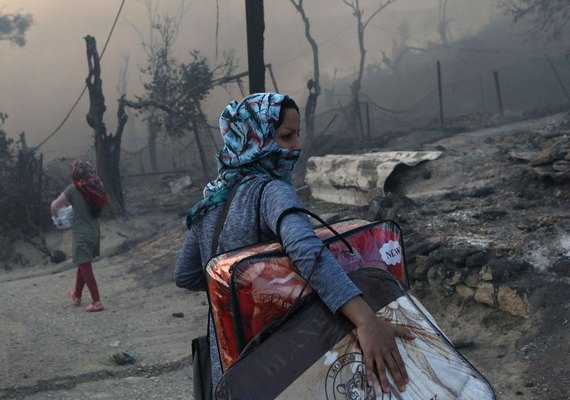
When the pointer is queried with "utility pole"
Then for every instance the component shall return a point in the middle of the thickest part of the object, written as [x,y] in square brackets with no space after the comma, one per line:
[255,26]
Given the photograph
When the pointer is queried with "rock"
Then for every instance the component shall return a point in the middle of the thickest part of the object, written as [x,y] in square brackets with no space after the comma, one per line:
[472,280]
[434,275]
[513,301]
[486,294]
[422,246]
[546,172]
[178,315]
[486,274]
[498,270]
[422,267]
[550,154]
[561,166]
[465,291]
[453,258]
[57,256]
[477,259]
[124,357]
[458,276]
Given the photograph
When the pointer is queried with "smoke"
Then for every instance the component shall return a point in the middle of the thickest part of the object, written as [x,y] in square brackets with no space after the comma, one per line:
[41,80]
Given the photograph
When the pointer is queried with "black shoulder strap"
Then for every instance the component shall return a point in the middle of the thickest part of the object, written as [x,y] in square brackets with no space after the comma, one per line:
[222,217]
[220,222]
[259,209]
[292,210]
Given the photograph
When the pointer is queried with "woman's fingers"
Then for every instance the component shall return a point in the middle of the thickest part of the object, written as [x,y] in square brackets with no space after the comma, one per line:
[401,367]
[396,370]
[381,371]
[404,332]
[369,368]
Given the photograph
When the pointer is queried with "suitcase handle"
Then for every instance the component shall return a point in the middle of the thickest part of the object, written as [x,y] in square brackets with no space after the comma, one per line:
[315,216]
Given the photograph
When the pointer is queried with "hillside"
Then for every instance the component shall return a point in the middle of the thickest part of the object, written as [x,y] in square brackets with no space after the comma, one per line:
[486,229]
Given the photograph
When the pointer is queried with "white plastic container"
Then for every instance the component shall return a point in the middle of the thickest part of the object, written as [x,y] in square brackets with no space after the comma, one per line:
[64,218]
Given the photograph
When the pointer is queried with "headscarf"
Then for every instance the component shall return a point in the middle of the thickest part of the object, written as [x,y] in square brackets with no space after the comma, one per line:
[86,180]
[248,131]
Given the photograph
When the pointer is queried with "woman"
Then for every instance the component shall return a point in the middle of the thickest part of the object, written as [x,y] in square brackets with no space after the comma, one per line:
[87,197]
[262,142]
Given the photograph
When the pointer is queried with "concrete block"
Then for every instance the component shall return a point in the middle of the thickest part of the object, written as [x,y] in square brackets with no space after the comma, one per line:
[357,179]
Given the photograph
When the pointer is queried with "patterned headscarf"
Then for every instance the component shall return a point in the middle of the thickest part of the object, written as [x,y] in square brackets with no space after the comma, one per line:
[248,131]
[86,180]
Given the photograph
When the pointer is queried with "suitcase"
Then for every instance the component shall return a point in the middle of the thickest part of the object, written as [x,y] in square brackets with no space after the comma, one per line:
[251,287]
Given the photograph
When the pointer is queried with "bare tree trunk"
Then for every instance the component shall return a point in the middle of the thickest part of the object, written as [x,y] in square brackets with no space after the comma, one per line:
[107,146]
[201,151]
[443,23]
[130,134]
[361,28]
[313,84]
[153,127]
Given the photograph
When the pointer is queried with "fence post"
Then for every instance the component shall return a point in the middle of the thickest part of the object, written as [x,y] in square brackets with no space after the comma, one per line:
[498,88]
[557,76]
[482,93]
[440,93]
[368,120]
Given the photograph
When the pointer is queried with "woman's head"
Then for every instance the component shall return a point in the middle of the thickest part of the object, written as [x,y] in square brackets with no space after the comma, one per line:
[79,169]
[261,138]
[261,133]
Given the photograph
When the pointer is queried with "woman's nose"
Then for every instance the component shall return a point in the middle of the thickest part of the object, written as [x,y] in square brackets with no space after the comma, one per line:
[297,145]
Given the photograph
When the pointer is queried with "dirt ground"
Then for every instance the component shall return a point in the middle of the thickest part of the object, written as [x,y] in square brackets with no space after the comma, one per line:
[477,193]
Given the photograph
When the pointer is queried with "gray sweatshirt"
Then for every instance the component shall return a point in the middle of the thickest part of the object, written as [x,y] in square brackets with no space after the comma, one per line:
[242,227]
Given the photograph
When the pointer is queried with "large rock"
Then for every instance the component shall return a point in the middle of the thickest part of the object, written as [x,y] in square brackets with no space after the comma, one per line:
[486,294]
[357,179]
[513,300]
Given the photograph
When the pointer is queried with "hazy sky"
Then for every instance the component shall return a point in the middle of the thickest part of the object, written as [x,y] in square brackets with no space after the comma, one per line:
[40,81]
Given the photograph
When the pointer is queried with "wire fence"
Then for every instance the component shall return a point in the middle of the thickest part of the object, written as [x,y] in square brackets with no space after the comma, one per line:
[410,98]
[404,101]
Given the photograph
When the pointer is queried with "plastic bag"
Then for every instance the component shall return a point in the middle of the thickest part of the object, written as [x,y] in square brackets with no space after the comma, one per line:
[64,218]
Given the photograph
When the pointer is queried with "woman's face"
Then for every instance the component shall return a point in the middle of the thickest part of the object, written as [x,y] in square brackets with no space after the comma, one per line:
[287,135]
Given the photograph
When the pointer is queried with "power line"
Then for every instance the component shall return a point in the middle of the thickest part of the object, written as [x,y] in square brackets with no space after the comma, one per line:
[84,87]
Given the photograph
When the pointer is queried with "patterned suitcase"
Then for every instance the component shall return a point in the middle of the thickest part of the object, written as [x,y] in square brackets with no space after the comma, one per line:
[249,288]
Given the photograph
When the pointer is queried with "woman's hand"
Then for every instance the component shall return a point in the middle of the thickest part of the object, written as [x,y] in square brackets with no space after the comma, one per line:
[377,339]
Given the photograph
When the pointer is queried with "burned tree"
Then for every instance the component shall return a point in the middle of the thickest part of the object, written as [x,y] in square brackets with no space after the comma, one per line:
[361,24]
[545,16]
[24,204]
[107,146]
[313,84]
[161,65]
[175,102]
